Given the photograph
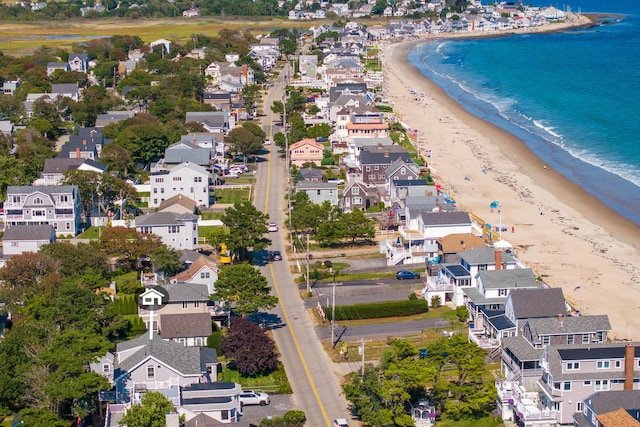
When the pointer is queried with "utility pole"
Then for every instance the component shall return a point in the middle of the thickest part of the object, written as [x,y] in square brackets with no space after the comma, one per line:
[287,160]
[361,348]
[333,309]
[308,285]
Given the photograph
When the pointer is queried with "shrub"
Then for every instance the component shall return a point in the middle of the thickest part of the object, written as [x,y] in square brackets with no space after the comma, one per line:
[435,301]
[462,313]
[294,417]
[213,340]
[401,308]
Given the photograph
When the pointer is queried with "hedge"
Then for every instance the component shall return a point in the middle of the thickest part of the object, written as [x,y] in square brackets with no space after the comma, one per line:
[400,308]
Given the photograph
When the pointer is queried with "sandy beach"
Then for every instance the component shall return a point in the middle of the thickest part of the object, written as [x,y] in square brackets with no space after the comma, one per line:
[566,235]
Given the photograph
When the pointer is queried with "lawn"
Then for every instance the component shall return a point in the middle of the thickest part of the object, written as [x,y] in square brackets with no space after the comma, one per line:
[212,215]
[91,233]
[231,196]
[276,382]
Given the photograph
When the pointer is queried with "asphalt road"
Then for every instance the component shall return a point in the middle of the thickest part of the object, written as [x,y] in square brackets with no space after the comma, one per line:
[308,368]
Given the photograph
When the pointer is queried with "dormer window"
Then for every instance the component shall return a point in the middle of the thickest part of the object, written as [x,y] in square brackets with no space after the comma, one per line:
[38,201]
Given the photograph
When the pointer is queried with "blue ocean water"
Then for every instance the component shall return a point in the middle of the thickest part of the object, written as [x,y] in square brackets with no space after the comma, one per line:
[573,97]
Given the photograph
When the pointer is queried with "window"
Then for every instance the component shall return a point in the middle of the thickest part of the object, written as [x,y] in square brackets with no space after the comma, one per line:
[106,368]
[64,198]
[556,386]
[38,201]
[68,224]
[162,191]
[376,167]
[570,339]
[579,406]
[151,372]
[14,244]
[585,338]
[502,292]
[602,385]
[355,191]
[618,364]
[38,212]
[603,364]
[159,179]
[185,304]
[145,230]
[368,168]
[224,414]
[556,406]
[196,304]
[205,275]
[573,366]
[567,386]
[155,191]
[173,229]
[177,178]
[197,179]
[587,383]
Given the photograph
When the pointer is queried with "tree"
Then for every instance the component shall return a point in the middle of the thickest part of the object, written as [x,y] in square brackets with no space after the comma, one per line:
[77,259]
[250,94]
[242,140]
[247,228]
[355,225]
[287,47]
[252,350]
[127,245]
[117,159]
[150,412]
[26,275]
[256,130]
[166,260]
[245,288]
[40,417]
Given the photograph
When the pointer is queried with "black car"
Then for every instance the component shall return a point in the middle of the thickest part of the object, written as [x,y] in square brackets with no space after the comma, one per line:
[406,274]
[276,256]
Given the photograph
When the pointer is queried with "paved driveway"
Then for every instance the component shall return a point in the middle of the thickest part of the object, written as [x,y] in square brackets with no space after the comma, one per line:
[280,403]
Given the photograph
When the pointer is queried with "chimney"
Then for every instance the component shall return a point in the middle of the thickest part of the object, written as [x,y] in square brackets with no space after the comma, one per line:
[386,153]
[379,145]
[245,73]
[560,319]
[498,259]
[629,353]
[84,142]
[77,152]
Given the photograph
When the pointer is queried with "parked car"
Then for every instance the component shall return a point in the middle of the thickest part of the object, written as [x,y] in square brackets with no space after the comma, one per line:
[340,422]
[267,141]
[273,227]
[406,274]
[276,256]
[338,181]
[250,397]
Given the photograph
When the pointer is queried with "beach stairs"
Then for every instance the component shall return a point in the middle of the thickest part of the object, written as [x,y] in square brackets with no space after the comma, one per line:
[494,355]
[398,258]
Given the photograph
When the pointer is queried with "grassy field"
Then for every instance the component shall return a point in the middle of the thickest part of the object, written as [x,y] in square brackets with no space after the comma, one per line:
[24,37]
[224,196]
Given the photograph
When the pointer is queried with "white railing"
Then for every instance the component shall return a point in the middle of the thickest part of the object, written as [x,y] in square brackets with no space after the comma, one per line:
[484,342]
[398,258]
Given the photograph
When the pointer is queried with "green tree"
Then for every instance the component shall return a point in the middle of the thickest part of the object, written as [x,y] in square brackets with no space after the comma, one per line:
[243,141]
[250,95]
[247,229]
[287,47]
[244,288]
[166,260]
[117,159]
[355,225]
[40,417]
[127,245]
[150,412]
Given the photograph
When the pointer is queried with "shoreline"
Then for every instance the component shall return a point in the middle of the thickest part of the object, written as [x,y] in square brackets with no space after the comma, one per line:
[568,236]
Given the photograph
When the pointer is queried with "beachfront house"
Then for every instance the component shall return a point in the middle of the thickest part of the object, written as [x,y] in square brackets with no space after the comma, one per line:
[358,195]
[374,161]
[609,409]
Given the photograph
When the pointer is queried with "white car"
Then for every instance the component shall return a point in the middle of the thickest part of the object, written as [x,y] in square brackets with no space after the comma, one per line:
[267,141]
[340,422]
[250,397]
[272,227]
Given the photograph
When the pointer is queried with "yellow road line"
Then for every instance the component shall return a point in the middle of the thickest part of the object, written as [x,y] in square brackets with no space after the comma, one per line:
[277,290]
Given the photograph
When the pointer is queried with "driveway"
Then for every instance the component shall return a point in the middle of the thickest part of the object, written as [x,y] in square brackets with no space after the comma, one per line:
[280,403]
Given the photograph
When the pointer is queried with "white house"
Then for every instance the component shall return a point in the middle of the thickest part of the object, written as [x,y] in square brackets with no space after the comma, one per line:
[25,238]
[187,179]
[178,231]
[166,44]
[57,205]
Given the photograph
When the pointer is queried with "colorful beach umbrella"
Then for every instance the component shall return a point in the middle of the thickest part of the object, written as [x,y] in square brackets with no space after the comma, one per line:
[494,204]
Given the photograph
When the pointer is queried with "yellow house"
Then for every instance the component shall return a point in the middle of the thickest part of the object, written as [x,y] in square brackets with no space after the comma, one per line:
[307,150]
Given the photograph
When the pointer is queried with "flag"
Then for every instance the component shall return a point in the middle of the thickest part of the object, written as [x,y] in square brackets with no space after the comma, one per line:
[494,204]
[577,288]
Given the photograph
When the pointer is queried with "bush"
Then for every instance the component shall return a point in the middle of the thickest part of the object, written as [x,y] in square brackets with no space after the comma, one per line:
[401,308]
[435,301]
[462,313]
[213,340]
[294,417]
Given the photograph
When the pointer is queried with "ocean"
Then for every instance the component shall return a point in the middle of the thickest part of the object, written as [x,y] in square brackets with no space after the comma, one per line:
[573,97]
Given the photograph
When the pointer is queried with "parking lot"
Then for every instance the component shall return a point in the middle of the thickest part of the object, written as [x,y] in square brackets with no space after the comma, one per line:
[280,403]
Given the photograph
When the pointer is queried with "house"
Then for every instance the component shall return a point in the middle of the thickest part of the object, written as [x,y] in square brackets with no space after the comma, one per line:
[58,206]
[178,231]
[166,45]
[19,239]
[153,364]
[489,289]
[217,400]
[55,168]
[398,190]
[449,246]
[52,67]
[203,270]
[178,204]
[311,174]
[10,86]
[374,161]
[113,117]
[187,152]
[126,67]
[87,144]
[187,329]
[78,62]
[183,298]
[401,170]
[67,90]
[6,127]
[219,99]
[358,195]
[319,192]
[212,121]
[620,408]
[187,179]
[307,150]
